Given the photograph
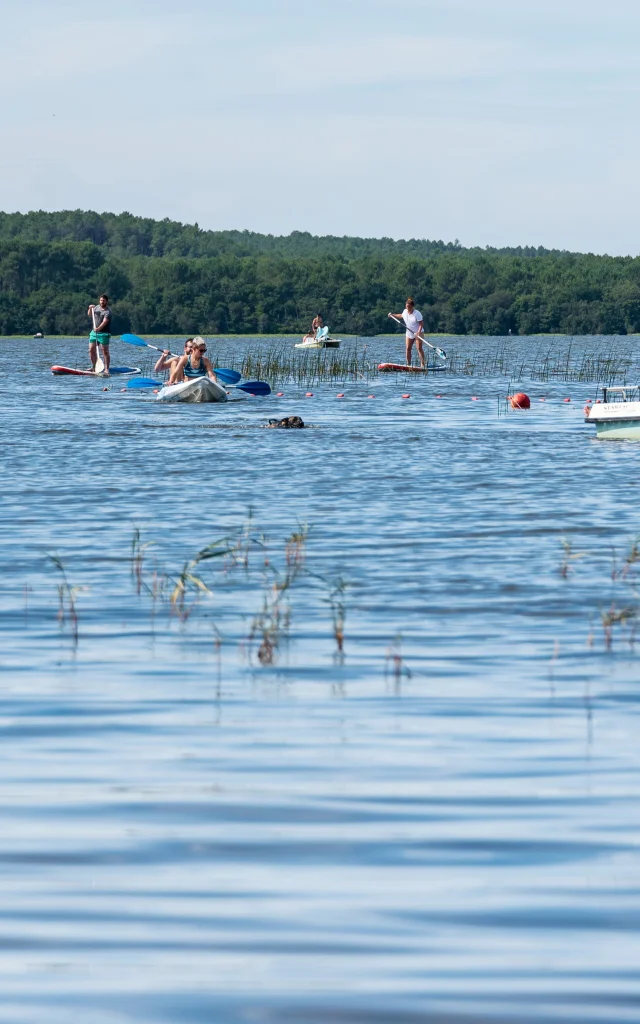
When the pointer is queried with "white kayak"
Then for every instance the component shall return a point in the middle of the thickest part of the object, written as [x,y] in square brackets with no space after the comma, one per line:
[198,389]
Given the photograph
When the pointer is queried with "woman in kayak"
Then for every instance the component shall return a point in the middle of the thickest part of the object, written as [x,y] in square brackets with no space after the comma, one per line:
[194,364]
[167,361]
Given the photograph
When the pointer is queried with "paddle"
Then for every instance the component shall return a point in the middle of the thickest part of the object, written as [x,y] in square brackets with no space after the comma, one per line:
[253,387]
[438,351]
[226,376]
[99,367]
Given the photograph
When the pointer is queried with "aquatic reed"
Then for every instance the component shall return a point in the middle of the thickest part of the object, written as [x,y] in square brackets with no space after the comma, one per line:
[271,623]
[188,582]
[66,599]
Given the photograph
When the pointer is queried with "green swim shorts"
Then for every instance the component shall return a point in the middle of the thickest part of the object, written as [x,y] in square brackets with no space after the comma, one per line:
[102,339]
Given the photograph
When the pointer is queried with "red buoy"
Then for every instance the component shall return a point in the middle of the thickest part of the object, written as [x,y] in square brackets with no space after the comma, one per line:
[341,395]
[309,394]
[406,396]
[520,401]
[280,394]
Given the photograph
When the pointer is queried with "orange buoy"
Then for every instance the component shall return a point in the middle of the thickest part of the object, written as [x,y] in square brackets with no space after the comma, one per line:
[341,395]
[566,399]
[309,394]
[520,401]
[406,396]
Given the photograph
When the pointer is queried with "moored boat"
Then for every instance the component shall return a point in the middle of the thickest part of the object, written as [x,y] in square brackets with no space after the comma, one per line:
[617,416]
[321,340]
[319,343]
[197,389]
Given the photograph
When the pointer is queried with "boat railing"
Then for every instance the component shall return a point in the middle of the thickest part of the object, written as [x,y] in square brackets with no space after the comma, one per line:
[627,393]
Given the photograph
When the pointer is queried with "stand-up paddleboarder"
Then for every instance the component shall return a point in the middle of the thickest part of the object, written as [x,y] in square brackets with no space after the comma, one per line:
[100,333]
[414,330]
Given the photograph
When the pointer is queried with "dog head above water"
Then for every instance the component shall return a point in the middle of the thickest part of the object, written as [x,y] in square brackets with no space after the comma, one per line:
[288,423]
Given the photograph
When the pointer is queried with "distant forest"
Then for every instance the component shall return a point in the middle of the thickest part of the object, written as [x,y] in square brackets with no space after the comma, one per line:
[165,277]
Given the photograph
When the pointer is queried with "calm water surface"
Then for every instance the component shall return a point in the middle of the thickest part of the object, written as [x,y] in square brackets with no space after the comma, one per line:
[440,825]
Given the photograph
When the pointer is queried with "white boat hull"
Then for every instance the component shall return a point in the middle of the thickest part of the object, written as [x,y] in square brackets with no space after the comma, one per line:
[327,343]
[198,389]
[616,421]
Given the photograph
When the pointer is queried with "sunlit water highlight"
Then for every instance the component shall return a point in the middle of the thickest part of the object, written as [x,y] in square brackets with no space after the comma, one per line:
[442,825]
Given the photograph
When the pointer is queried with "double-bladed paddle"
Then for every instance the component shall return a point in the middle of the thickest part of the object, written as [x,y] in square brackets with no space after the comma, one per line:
[438,351]
[253,387]
[226,376]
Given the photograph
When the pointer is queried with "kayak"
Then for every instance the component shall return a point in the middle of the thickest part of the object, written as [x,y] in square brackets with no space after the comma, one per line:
[198,389]
[60,370]
[403,368]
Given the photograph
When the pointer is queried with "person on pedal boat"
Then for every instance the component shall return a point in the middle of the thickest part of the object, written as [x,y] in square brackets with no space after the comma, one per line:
[414,330]
[100,333]
[316,326]
[195,364]
[167,361]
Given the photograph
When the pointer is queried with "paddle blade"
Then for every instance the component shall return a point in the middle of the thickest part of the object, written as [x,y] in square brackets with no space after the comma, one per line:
[133,339]
[227,376]
[144,382]
[439,352]
[254,387]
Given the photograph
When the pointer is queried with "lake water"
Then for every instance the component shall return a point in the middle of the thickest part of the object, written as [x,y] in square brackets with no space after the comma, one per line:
[439,823]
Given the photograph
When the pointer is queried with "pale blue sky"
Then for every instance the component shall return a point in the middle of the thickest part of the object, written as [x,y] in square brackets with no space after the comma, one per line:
[495,122]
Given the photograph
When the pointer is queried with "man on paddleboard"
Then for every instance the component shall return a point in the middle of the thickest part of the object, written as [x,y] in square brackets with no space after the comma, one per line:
[101,332]
[415,330]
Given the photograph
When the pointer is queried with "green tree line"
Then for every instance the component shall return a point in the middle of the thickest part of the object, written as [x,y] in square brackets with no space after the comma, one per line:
[46,285]
[122,234]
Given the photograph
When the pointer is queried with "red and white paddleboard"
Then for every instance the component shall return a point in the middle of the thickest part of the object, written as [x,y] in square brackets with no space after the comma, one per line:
[399,368]
[59,370]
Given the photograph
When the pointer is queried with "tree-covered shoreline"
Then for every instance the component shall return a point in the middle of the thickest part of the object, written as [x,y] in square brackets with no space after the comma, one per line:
[186,280]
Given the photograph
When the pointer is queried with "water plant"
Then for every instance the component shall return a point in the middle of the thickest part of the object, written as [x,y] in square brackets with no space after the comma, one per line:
[614,616]
[188,583]
[394,665]
[67,609]
[137,558]
[569,556]
[271,623]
